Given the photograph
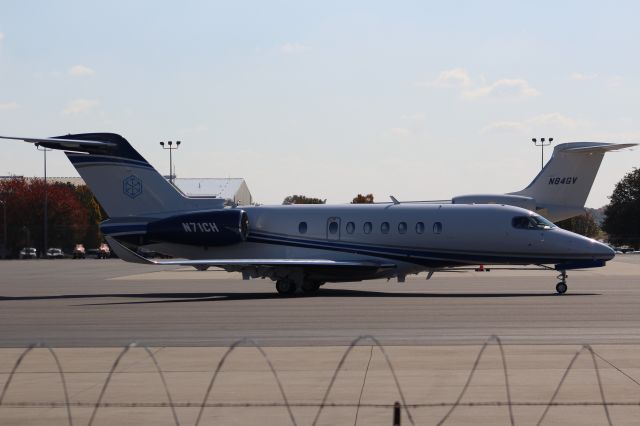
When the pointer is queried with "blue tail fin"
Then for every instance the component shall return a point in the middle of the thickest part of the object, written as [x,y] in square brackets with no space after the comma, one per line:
[124,182]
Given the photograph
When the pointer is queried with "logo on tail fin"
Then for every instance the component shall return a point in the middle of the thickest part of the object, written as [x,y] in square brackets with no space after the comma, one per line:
[132,186]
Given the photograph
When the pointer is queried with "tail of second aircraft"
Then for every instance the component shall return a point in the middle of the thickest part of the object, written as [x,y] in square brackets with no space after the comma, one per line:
[563,185]
[561,188]
[124,182]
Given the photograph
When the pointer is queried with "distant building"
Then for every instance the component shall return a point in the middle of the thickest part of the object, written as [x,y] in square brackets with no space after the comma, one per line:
[234,190]
[75,181]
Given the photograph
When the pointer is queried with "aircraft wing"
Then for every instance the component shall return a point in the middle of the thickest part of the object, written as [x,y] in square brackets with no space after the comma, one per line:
[128,255]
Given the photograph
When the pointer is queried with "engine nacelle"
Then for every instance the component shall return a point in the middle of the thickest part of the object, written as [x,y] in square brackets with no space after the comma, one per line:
[510,200]
[206,228]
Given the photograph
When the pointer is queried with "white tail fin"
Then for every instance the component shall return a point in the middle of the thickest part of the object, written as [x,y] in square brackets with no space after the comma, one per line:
[562,187]
[124,182]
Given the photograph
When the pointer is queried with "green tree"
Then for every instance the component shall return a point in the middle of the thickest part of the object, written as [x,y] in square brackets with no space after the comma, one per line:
[363,199]
[622,215]
[303,199]
[583,225]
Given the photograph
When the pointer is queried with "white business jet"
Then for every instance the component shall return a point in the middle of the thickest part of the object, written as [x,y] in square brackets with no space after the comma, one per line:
[301,247]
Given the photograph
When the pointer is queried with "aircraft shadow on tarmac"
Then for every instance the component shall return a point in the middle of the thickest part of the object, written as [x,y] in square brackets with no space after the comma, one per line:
[226,296]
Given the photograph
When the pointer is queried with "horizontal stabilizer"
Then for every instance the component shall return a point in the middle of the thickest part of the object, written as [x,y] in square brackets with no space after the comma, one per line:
[61,143]
[604,147]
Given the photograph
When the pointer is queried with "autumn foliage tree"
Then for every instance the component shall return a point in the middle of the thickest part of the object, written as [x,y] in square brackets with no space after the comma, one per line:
[96,214]
[363,199]
[73,214]
[302,199]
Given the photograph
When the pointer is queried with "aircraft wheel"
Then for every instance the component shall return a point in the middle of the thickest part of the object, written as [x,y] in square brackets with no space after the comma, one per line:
[561,288]
[285,287]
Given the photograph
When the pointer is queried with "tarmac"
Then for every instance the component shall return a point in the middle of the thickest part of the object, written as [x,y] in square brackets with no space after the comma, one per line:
[91,303]
[431,334]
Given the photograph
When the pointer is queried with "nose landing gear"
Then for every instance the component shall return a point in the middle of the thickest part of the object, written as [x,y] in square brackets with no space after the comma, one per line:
[561,287]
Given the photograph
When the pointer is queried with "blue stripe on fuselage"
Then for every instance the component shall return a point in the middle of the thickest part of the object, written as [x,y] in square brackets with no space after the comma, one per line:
[409,255]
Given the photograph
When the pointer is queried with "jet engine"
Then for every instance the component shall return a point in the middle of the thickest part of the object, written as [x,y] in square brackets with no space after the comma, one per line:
[203,228]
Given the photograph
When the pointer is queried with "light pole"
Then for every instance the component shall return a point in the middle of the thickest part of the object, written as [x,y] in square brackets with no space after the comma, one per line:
[4,223]
[170,147]
[542,144]
[46,201]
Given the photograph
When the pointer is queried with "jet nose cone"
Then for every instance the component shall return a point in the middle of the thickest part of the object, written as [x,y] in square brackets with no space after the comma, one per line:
[602,251]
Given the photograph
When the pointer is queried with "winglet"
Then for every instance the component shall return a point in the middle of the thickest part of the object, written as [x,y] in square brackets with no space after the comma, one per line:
[126,254]
[394,199]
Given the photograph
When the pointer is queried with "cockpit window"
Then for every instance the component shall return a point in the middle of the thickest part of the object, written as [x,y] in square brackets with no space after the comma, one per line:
[531,222]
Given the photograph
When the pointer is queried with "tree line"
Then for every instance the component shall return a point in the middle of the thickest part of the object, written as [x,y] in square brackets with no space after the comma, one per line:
[73,215]
[303,199]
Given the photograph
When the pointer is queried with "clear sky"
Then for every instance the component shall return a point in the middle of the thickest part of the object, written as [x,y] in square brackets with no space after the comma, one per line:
[421,100]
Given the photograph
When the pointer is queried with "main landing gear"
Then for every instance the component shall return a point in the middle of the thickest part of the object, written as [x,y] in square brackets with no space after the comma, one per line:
[561,287]
[287,287]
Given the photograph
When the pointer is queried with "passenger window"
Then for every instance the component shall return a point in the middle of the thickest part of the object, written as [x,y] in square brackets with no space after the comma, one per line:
[350,227]
[302,228]
[437,228]
[419,228]
[367,227]
[402,227]
[333,228]
[384,227]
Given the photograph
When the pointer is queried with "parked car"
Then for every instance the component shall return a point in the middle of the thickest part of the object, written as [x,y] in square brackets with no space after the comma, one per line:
[55,253]
[104,251]
[28,253]
[79,251]
[94,252]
